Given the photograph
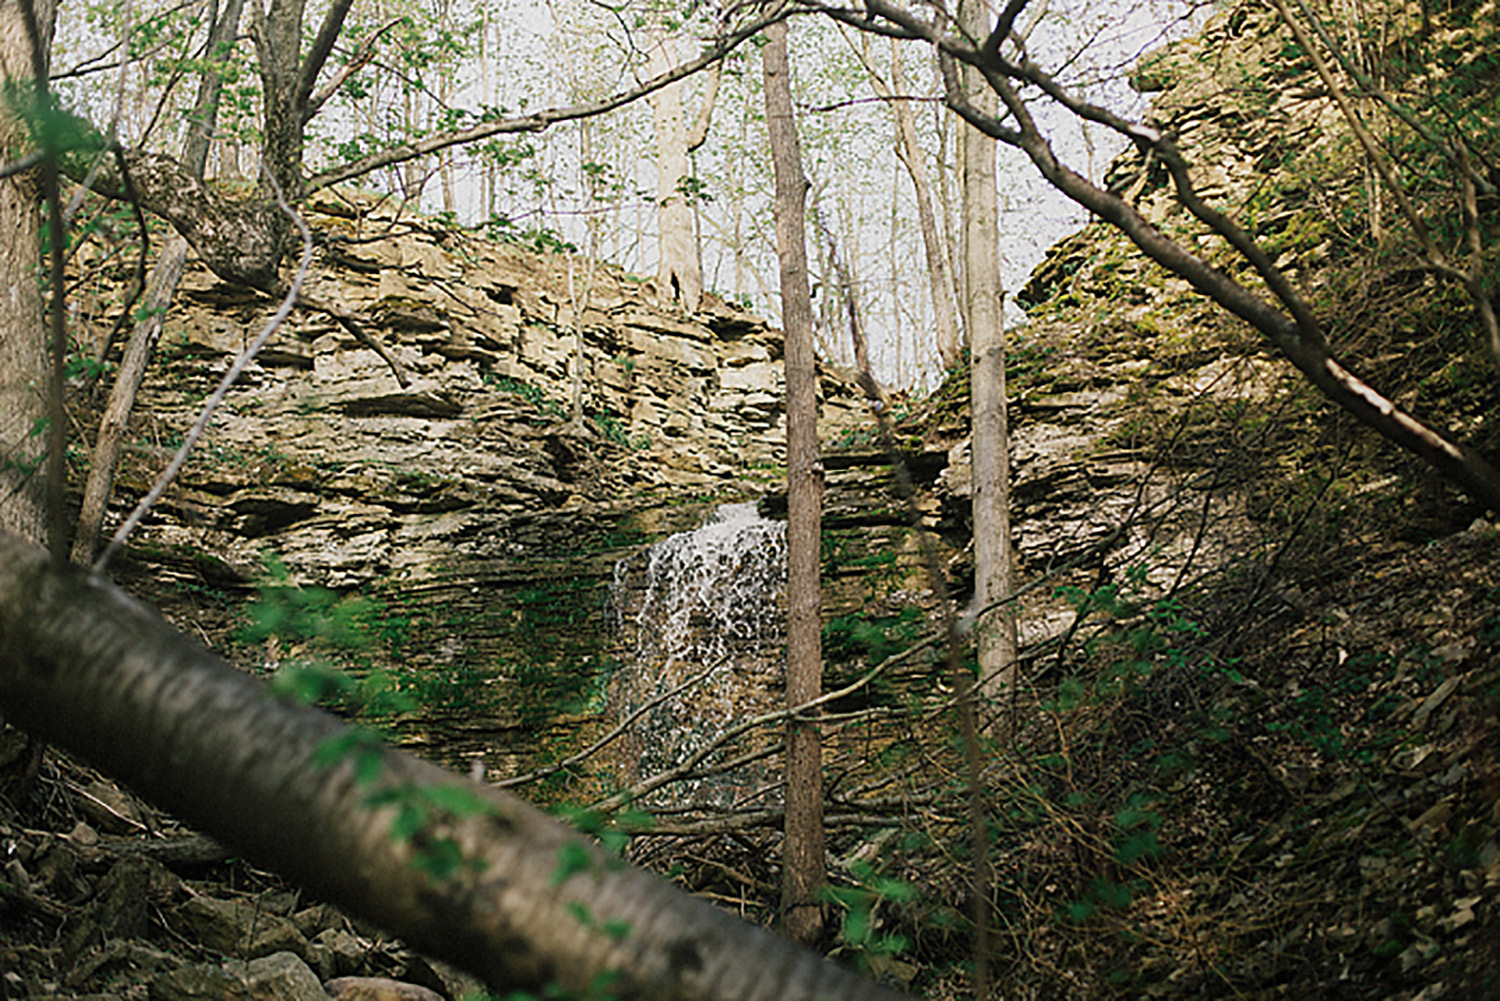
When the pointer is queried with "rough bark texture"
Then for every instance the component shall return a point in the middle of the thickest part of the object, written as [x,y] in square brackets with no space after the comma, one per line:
[278,49]
[679,269]
[84,665]
[803,862]
[23,356]
[994,628]
[237,238]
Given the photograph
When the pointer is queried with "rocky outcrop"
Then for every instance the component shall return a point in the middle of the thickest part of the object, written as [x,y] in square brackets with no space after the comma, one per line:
[480,511]
[322,455]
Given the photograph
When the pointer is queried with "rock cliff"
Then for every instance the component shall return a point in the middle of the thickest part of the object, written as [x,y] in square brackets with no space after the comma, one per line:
[475,506]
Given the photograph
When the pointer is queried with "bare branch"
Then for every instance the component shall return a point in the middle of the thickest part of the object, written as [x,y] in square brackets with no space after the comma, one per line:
[1298,336]
[317,55]
[354,326]
[608,738]
[542,120]
[686,768]
[212,404]
[358,61]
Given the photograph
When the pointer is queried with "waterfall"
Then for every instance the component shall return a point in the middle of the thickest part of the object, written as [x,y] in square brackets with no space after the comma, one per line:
[706,598]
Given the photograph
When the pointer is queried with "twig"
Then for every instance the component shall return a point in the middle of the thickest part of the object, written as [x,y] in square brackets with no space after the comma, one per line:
[599,744]
[686,768]
[212,404]
[353,325]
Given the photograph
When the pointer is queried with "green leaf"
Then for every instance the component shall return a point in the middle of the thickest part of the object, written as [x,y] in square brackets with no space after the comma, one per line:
[457,800]
[410,819]
[857,926]
[1138,846]
[572,858]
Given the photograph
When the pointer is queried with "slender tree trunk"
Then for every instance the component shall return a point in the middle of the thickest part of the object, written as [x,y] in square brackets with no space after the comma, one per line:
[116,419]
[995,628]
[161,288]
[939,273]
[679,270]
[995,637]
[23,344]
[803,872]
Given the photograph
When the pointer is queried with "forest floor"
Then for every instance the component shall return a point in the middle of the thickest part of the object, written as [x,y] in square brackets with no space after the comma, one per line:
[1316,815]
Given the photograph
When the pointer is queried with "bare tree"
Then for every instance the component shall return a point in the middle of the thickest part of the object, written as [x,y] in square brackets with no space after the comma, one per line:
[909,152]
[162,287]
[1288,323]
[680,269]
[994,626]
[803,866]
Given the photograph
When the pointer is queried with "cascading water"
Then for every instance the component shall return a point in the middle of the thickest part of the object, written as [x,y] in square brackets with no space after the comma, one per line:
[710,598]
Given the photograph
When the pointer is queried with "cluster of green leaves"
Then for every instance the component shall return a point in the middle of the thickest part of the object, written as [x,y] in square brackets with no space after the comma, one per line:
[319,623]
[860,933]
[614,430]
[548,410]
[322,635]
[1144,634]
[873,639]
[539,239]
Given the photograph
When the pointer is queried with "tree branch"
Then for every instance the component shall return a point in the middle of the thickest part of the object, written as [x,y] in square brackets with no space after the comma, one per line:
[1298,336]
[541,120]
[212,403]
[357,62]
[317,56]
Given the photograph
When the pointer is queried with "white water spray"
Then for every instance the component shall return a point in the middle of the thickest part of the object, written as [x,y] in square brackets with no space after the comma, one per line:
[706,598]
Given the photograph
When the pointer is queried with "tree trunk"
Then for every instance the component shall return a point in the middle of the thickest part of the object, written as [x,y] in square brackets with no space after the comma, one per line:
[939,272]
[23,352]
[994,628]
[277,34]
[679,270]
[84,665]
[803,872]
[23,357]
[116,418]
[162,286]
[909,152]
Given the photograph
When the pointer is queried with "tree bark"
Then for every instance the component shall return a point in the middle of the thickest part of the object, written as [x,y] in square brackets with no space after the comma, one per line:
[679,269]
[84,665]
[909,152]
[804,871]
[162,287]
[23,353]
[994,628]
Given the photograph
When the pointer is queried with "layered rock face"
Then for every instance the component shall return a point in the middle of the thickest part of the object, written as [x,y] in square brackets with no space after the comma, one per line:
[482,512]
[1151,435]
[321,454]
